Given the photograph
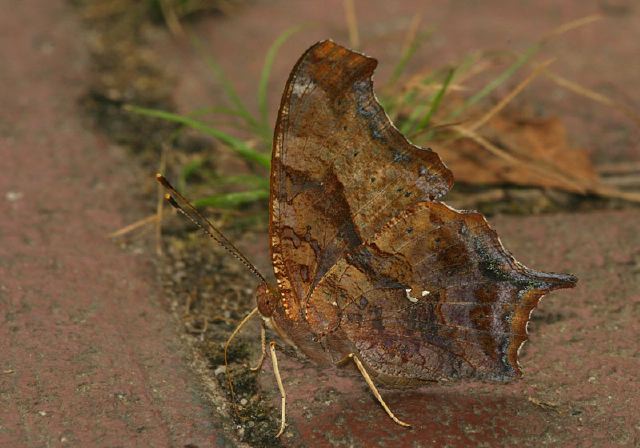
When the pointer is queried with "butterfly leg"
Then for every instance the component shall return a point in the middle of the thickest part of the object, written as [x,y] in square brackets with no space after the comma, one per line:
[374,389]
[283,395]
[226,346]
[263,346]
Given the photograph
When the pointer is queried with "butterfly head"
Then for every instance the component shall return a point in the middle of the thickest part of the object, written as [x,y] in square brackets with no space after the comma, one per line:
[267,300]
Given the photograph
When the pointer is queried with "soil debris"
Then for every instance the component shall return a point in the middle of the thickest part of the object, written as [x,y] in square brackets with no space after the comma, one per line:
[203,285]
[125,70]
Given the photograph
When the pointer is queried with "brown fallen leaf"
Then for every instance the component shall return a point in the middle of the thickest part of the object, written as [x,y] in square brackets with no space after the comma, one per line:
[524,151]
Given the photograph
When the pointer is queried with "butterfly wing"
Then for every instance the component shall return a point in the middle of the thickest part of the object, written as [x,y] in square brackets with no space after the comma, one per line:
[340,170]
[433,296]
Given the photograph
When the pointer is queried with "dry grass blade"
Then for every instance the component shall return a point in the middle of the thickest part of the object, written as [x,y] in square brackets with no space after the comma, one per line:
[170,18]
[520,61]
[611,192]
[626,181]
[572,25]
[544,404]
[486,144]
[476,67]
[543,170]
[592,95]
[508,98]
[438,127]
[352,23]
[618,168]
[412,33]
[133,226]
[417,79]
[574,87]
[496,82]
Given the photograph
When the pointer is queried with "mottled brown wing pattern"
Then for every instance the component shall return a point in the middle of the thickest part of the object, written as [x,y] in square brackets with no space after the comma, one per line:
[340,170]
[433,296]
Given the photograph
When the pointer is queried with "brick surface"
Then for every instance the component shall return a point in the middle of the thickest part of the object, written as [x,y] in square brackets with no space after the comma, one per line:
[601,56]
[581,360]
[88,357]
[580,364]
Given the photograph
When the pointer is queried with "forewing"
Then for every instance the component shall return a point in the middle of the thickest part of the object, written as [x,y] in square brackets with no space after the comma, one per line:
[433,296]
[340,170]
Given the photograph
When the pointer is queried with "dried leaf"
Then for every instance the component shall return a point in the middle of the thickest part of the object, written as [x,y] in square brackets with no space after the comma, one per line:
[540,156]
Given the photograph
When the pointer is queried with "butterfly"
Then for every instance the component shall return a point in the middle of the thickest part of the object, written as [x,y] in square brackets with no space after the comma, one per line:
[371,268]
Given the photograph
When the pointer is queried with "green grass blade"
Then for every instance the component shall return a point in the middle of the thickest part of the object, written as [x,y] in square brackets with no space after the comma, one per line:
[241,126]
[224,111]
[245,180]
[468,62]
[232,200]
[435,103]
[237,145]
[263,84]
[195,166]
[202,111]
[497,81]
[187,171]
[411,100]
[406,56]
[408,124]
[226,85]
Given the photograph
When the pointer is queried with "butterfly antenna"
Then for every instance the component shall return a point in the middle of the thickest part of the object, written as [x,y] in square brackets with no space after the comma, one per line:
[181,204]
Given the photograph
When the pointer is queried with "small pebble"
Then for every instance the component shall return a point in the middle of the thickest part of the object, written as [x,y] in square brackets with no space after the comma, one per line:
[13,196]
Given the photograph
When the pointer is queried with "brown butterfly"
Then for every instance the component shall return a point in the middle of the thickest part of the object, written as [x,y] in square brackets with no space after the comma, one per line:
[371,268]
